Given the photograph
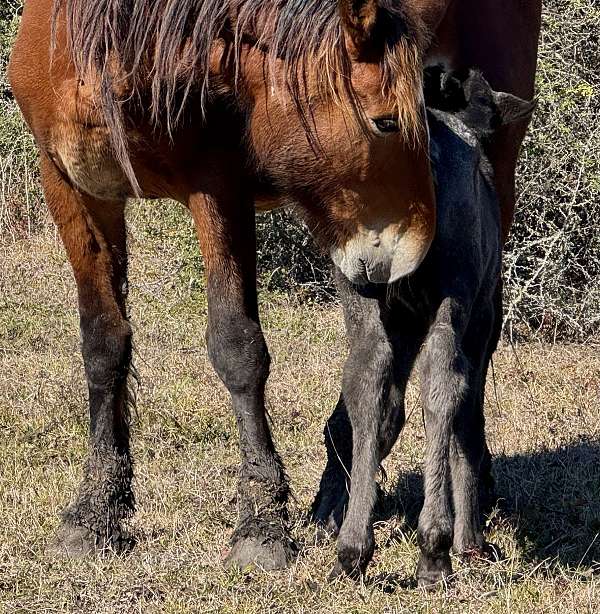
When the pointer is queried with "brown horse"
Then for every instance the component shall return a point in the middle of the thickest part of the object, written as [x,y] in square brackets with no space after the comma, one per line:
[501,40]
[226,105]
[220,104]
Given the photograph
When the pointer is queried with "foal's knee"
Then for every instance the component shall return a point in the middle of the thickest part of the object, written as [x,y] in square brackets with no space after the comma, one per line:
[445,371]
[239,354]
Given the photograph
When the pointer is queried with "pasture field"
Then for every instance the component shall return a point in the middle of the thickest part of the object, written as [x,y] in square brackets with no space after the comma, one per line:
[543,412]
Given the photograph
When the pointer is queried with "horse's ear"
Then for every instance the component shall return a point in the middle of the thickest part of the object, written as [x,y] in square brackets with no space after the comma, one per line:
[359,22]
[512,109]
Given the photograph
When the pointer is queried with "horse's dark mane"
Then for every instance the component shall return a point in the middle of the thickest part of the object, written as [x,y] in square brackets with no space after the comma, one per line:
[163,49]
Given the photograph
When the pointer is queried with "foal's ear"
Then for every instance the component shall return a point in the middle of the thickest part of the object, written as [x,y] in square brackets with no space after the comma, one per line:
[359,21]
[512,109]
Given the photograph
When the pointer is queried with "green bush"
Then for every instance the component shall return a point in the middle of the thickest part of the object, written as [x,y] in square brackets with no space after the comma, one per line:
[9,11]
[552,264]
[21,208]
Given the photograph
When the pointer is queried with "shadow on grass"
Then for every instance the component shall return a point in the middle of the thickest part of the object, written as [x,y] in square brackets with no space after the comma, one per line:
[550,497]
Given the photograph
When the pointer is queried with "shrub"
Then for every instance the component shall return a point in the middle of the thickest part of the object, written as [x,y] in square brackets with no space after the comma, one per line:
[552,264]
[21,208]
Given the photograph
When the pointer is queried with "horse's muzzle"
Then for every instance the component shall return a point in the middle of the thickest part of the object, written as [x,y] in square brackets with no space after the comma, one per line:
[381,257]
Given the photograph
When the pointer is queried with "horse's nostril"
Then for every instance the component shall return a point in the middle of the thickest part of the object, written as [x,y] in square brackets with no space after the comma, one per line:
[374,238]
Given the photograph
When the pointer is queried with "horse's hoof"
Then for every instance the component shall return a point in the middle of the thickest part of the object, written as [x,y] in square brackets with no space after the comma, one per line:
[263,552]
[337,572]
[76,542]
[329,517]
[72,542]
[324,534]
[478,551]
[432,572]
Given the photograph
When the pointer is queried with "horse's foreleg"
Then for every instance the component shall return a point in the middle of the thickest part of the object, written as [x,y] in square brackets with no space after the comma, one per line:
[93,234]
[239,355]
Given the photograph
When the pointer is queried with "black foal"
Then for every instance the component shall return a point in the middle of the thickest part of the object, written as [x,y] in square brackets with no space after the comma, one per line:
[449,312]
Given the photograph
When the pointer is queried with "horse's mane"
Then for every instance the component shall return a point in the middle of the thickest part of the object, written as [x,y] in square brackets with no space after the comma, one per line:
[162,49]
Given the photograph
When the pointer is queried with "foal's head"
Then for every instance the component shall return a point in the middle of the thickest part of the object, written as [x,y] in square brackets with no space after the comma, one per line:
[470,98]
[337,124]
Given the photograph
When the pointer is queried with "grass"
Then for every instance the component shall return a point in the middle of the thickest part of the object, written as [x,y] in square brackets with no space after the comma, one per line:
[543,423]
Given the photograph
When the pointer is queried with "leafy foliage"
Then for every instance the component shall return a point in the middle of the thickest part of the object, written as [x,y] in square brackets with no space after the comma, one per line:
[552,265]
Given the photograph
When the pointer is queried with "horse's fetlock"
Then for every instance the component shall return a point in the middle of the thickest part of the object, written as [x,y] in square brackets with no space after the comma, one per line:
[105,495]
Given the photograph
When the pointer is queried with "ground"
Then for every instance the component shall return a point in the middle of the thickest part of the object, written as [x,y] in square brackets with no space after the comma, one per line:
[543,420]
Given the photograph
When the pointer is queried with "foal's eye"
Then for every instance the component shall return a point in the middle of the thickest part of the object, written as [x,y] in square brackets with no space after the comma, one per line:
[386,124]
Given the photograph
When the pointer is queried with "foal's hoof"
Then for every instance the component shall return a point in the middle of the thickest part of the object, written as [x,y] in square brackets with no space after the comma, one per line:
[269,552]
[325,532]
[352,560]
[327,514]
[354,572]
[431,572]
[486,552]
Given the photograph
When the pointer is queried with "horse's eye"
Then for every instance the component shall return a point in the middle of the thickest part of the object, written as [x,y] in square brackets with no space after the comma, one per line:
[386,124]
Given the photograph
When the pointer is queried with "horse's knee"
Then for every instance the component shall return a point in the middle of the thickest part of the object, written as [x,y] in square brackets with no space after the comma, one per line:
[239,354]
[106,347]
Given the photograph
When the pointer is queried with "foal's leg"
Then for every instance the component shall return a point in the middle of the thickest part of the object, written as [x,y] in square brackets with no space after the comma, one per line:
[331,502]
[445,385]
[239,355]
[487,488]
[93,234]
[366,388]
[468,449]
[373,390]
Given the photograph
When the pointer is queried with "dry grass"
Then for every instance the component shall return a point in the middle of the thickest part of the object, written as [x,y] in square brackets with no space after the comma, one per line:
[543,422]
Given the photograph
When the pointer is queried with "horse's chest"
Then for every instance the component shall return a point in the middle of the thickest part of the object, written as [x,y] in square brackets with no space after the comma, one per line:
[85,155]
[81,147]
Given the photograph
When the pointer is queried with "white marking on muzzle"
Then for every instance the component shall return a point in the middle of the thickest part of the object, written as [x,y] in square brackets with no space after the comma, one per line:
[380,257]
